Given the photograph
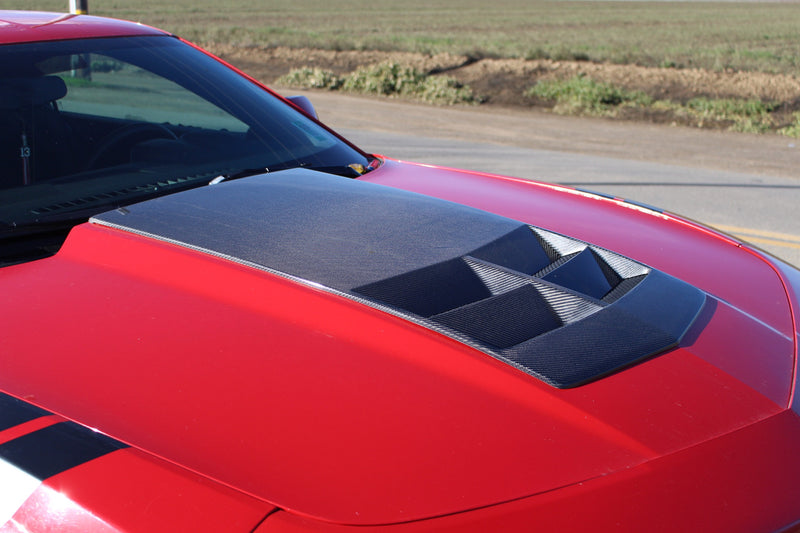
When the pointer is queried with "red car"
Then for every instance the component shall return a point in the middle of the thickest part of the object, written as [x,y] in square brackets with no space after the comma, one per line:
[218,315]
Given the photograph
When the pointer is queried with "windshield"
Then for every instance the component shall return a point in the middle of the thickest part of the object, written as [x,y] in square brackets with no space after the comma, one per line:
[91,125]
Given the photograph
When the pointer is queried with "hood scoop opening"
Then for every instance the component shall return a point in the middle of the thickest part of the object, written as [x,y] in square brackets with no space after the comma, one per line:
[560,309]
[566,312]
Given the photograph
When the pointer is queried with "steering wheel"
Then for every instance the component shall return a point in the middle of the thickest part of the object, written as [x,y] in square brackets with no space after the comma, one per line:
[131,134]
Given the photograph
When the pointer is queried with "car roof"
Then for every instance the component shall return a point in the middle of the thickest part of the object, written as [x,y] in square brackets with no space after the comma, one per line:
[30,26]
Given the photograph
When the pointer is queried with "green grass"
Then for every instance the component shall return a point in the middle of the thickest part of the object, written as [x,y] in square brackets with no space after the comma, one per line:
[714,35]
[581,95]
[751,116]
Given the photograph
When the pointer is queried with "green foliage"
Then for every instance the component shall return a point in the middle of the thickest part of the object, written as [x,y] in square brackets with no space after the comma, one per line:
[443,90]
[390,78]
[583,96]
[668,63]
[310,78]
[750,116]
[580,95]
[793,129]
[724,108]
[385,79]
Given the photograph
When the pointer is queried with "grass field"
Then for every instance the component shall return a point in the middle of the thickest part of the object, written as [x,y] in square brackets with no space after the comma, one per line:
[760,36]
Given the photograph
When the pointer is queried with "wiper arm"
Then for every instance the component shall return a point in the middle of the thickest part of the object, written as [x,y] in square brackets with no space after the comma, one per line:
[244,173]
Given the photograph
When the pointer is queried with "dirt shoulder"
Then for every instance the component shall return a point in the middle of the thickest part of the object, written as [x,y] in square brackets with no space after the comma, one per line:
[510,119]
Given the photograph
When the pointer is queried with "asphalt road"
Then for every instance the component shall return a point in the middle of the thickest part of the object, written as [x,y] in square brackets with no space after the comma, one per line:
[746,185]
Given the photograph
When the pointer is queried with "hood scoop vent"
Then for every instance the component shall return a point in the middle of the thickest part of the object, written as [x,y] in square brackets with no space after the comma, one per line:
[560,309]
[566,312]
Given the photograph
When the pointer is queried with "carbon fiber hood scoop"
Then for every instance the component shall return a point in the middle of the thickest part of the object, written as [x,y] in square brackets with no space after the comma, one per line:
[559,309]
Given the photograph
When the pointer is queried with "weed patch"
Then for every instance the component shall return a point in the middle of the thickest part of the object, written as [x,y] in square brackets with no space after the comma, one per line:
[792,130]
[750,116]
[581,95]
[386,79]
[311,78]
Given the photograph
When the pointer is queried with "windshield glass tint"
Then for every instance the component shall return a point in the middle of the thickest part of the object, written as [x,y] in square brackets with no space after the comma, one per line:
[87,126]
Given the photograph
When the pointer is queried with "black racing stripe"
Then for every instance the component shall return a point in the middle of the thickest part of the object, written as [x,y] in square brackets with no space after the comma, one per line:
[54,449]
[14,412]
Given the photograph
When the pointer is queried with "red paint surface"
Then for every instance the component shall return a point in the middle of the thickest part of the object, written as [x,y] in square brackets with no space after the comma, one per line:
[130,491]
[741,483]
[28,427]
[29,26]
[321,406]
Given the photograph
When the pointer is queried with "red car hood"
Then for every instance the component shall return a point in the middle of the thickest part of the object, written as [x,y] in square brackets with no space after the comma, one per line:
[339,411]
